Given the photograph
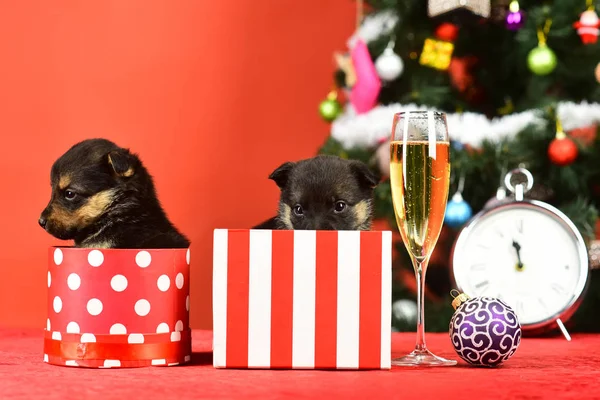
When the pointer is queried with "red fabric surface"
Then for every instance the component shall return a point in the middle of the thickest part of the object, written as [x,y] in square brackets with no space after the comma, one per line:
[541,368]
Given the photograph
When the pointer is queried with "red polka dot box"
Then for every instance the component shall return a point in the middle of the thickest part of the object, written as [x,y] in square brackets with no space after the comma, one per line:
[111,308]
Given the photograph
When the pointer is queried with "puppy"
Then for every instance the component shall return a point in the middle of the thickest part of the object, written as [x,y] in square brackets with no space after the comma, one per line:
[103,197]
[323,193]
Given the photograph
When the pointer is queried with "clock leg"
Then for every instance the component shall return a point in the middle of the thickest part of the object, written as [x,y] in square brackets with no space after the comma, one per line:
[563,329]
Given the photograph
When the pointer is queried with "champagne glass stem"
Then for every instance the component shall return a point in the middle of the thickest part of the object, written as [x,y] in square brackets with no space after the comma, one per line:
[420,270]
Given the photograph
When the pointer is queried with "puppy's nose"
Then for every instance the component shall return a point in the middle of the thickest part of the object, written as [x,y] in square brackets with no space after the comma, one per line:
[42,222]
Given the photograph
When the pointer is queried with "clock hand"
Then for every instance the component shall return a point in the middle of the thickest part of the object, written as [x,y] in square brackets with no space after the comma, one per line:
[517,247]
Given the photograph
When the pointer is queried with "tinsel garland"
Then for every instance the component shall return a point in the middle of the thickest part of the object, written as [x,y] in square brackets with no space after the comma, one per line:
[373,26]
[368,129]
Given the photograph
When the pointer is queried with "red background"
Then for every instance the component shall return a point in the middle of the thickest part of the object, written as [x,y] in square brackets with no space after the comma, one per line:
[212,94]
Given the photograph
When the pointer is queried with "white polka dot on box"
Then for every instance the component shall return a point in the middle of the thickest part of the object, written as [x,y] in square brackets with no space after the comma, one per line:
[111,308]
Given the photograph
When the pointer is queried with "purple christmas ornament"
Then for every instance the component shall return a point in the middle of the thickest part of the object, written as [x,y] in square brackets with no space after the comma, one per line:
[515,17]
[484,331]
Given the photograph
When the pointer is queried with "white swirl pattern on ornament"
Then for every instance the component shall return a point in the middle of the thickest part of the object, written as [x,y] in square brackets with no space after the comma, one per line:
[485,331]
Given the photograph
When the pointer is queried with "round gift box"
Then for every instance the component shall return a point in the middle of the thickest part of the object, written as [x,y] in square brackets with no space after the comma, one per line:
[111,308]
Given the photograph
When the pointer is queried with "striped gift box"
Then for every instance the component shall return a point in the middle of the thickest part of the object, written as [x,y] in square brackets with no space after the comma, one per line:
[302,299]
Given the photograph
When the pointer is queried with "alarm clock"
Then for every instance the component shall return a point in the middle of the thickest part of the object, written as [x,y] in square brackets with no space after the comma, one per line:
[526,253]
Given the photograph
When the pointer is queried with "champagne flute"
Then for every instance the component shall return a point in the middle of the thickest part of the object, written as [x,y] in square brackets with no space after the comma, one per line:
[419,177]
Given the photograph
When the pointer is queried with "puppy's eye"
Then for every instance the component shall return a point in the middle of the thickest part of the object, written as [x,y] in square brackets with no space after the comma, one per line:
[298,209]
[70,195]
[339,206]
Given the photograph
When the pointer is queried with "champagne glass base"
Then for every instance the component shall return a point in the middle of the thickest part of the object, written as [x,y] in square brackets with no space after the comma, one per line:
[422,358]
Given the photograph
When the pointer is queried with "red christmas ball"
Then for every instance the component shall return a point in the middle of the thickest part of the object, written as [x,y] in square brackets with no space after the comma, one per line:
[562,151]
[447,31]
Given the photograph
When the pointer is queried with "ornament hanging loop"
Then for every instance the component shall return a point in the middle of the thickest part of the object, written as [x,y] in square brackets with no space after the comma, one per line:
[560,133]
[541,37]
[457,197]
[461,183]
[392,43]
[459,299]
[389,26]
[542,33]
[514,6]
[518,190]
[332,95]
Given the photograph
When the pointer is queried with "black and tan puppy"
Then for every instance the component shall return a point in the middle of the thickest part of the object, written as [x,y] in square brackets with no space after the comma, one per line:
[103,197]
[323,193]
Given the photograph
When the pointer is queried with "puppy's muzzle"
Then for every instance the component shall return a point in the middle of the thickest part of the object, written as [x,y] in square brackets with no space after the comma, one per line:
[43,221]
[320,225]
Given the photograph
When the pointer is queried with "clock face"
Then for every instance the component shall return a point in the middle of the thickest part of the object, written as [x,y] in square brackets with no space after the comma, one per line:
[526,256]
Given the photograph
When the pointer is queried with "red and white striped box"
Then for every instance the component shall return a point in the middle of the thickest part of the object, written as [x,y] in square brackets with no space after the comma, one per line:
[117,308]
[302,299]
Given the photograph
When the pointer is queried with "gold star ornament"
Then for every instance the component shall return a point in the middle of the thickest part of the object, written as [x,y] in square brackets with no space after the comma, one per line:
[436,54]
[479,7]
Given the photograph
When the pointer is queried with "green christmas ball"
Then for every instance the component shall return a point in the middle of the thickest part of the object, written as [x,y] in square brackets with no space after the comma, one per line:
[541,60]
[330,109]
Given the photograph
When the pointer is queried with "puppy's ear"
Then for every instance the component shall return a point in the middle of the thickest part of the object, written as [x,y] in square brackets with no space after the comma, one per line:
[122,162]
[366,178]
[282,173]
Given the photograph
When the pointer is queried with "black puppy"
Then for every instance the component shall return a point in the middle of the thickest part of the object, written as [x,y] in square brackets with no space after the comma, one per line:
[323,193]
[103,197]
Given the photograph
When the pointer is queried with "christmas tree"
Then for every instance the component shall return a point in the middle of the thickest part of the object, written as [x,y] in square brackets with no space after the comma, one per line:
[519,82]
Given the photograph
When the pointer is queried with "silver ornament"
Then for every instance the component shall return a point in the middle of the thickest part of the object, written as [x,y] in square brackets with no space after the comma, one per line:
[405,310]
[389,65]
[479,7]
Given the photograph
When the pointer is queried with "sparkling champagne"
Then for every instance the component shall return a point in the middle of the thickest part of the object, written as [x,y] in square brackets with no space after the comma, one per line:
[420,192]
